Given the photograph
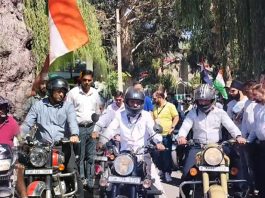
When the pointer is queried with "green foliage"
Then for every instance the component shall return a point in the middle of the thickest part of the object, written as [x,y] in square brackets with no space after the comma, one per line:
[37,20]
[168,81]
[195,81]
[112,80]
[35,13]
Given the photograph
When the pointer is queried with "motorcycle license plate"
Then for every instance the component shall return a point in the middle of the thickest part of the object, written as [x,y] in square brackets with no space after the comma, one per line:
[214,169]
[124,180]
[101,158]
[38,172]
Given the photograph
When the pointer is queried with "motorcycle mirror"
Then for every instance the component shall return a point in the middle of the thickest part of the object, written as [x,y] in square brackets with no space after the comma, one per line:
[94,117]
[158,128]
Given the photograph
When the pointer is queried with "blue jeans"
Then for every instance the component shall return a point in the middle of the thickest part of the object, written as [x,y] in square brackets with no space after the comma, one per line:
[164,158]
[87,154]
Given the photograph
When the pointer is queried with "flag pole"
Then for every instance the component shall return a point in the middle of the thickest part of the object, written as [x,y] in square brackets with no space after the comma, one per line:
[118,26]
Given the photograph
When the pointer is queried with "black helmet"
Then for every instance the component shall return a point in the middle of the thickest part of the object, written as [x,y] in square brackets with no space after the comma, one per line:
[4,103]
[132,94]
[57,83]
[205,92]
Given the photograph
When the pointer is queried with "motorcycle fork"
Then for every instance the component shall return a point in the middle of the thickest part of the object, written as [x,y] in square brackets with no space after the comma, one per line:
[223,177]
[49,177]
[134,173]
[206,183]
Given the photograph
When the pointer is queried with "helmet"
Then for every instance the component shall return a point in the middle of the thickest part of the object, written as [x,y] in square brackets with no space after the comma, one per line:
[132,94]
[4,103]
[204,92]
[57,83]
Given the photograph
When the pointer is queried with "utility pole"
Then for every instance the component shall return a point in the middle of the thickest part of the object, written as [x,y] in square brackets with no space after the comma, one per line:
[118,24]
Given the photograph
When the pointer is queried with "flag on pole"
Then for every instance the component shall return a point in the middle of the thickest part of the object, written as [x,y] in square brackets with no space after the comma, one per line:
[219,84]
[67,29]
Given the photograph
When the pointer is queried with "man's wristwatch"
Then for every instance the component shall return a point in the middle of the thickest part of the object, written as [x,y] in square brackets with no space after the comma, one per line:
[238,136]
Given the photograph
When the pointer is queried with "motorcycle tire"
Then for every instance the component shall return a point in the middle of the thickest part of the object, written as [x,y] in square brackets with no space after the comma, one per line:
[175,160]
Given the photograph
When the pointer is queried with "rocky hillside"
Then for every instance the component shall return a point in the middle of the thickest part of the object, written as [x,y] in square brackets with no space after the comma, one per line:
[16,60]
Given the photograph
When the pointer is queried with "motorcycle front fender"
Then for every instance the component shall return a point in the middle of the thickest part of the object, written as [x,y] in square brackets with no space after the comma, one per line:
[36,188]
[216,191]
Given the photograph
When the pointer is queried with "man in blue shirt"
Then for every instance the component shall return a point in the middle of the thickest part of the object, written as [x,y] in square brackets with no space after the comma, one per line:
[55,119]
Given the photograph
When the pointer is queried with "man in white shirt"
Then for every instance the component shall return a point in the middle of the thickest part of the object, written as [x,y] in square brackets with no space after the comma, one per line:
[258,132]
[246,127]
[135,126]
[206,121]
[248,111]
[236,105]
[109,113]
[86,101]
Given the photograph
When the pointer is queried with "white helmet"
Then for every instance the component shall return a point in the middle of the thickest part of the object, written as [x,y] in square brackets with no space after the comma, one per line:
[205,92]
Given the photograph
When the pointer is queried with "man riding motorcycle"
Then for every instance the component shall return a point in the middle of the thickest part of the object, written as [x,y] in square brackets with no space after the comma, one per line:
[206,121]
[55,119]
[135,126]
[9,129]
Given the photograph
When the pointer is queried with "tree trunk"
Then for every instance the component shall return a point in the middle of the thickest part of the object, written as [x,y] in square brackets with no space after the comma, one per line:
[16,63]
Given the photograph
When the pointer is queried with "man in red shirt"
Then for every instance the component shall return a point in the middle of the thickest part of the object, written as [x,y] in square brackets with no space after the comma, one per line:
[8,126]
[8,130]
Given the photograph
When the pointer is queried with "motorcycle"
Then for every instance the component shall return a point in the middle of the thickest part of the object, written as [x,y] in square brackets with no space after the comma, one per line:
[128,175]
[177,152]
[44,166]
[212,172]
[7,176]
[103,161]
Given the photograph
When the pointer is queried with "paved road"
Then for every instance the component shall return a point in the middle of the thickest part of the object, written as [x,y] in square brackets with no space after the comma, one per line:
[171,189]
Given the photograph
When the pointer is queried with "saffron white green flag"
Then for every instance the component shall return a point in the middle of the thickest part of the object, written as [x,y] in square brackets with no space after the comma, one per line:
[219,84]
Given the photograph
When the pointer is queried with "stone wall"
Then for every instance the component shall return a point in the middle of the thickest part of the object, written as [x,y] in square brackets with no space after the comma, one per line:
[16,61]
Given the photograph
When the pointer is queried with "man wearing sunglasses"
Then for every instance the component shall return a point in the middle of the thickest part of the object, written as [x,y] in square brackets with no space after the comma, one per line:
[86,101]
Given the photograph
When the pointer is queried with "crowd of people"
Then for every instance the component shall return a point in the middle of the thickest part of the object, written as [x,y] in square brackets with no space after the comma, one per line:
[57,112]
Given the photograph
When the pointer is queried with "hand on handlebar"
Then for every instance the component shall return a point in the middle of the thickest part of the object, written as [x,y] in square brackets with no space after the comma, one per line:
[74,139]
[95,134]
[160,147]
[181,140]
[241,140]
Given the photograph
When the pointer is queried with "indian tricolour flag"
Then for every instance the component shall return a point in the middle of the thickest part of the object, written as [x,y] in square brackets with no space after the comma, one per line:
[219,84]
[67,29]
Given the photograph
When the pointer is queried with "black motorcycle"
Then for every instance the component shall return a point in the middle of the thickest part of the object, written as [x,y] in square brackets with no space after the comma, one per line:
[7,163]
[128,175]
[44,170]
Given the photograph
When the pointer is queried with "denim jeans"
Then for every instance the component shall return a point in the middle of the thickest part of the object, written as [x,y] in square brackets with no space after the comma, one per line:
[87,154]
[164,158]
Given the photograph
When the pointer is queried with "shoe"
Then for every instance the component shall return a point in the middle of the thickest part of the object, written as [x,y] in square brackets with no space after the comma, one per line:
[160,173]
[168,177]
[84,181]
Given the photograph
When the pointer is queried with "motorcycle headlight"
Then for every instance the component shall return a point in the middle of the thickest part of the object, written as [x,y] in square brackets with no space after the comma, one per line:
[213,156]
[38,157]
[5,165]
[124,164]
